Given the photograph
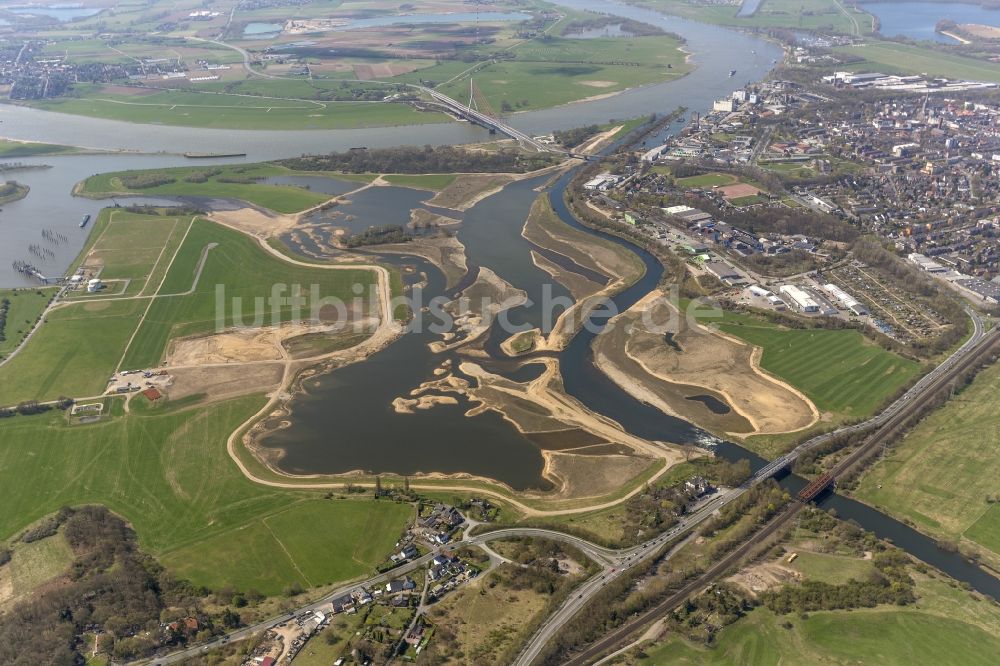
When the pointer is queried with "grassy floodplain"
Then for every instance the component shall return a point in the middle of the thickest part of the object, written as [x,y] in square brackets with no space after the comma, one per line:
[246,272]
[896,58]
[558,70]
[194,109]
[26,305]
[167,472]
[943,474]
[822,15]
[881,635]
[83,342]
[209,182]
[840,371]
[10,148]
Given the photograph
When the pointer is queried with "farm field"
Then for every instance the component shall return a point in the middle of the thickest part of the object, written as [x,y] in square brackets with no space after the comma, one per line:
[169,475]
[73,353]
[562,70]
[838,370]
[237,266]
[942,474]
[823,15]
[25,307]
[193,109]
[132,252]
[240,182]
[885,635]
[893,58]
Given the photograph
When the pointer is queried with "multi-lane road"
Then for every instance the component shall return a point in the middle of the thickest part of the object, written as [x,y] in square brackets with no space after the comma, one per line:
[616,562]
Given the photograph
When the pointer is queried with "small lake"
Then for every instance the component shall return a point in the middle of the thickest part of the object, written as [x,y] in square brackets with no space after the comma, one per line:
[331,186]
[61,14]
[613,30]
[916,20]
[262,30]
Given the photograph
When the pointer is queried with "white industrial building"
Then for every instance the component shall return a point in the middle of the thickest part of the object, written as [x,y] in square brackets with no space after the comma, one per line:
[925,263]
[758,290]
[845,299]
[603,182]
[94,285]
[776,302]
[799,298]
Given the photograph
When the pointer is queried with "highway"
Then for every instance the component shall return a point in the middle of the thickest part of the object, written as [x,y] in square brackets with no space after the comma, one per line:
[979,339]
[616,562]
[487,121]
[607,557]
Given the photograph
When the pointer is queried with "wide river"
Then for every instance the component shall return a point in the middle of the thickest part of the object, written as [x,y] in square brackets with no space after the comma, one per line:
[345,421]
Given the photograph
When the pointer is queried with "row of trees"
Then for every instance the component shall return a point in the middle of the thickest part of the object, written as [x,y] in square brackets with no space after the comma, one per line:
[426,159]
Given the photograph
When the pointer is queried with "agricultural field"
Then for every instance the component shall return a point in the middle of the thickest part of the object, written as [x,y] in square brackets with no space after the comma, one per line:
[560,70]
[895,58]
[131,252]
[934,621]
[240,182]
[168,474]
[24,308]
[62,359]
[73,353]
[820,15]
[839,370]
[193,109]
[943,474]
[235,264]
[887,635]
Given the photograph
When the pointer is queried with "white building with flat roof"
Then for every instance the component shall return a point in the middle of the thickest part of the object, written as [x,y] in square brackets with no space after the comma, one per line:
[799,298]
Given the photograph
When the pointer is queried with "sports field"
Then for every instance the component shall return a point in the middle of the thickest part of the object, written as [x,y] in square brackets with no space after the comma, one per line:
[943,473]
[194,109]
[240,182]
[839,371]
[894,58]
[169,475]
[707,180]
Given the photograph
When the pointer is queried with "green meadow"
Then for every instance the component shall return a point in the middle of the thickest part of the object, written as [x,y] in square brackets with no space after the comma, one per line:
[943,473]
[167,472]
[839,370]
[194,109]
[894,58]
[221,182]
[236,266]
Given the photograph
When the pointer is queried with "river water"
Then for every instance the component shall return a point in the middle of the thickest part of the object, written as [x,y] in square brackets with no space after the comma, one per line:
[345,421]
[916,20]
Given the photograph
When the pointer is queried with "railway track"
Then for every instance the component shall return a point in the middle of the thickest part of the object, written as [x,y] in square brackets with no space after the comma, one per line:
[617,636]
[890,428]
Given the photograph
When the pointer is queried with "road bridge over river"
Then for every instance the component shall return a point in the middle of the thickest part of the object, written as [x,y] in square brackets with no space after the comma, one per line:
[491,123]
